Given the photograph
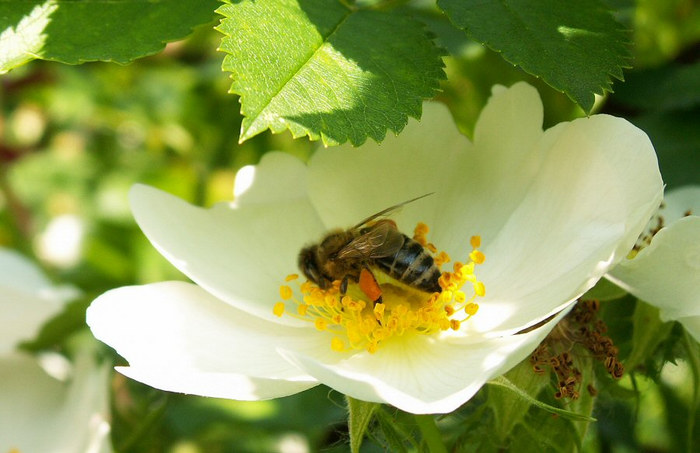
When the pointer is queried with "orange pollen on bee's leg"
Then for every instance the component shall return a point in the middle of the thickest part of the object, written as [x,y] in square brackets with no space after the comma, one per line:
[368,285]
[358,320]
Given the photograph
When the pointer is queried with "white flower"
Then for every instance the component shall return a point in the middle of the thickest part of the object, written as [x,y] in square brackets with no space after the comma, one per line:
[41,412]
[27,299]
[555,211]
[666,270]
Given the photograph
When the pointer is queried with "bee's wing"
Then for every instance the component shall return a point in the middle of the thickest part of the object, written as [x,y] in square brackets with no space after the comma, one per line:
[381,240]
[389,210]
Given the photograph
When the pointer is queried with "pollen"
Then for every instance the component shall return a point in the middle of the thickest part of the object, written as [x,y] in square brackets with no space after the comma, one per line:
[354,322]
[475,241]
[285,292]
[477,257]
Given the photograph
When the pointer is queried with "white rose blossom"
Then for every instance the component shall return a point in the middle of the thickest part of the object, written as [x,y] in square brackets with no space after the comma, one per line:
[664,270]
[555,210]
[62,412]
[27,298]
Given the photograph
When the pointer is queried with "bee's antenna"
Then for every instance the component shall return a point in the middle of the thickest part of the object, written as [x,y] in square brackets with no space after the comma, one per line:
[391,208]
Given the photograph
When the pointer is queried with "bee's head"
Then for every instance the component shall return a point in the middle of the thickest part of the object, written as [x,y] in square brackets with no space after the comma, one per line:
[310,267]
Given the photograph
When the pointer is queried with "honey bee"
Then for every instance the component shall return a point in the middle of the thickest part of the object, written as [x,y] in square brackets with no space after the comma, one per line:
[375,243]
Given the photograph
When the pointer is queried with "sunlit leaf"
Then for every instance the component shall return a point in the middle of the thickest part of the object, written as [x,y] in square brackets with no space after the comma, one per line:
[78,31]
[320,69]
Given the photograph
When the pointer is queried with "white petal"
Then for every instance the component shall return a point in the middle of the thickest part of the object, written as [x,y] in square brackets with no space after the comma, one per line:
[597,185]
[349,184]
[23,315]
[20,273]
[240,255]
[218,385]
[678,202]
[507,131]
[178,337]
[42,414]
[28,299]
[555,209]
[28,397]
[86,408]
[278,176]
[667,272]
[423,374]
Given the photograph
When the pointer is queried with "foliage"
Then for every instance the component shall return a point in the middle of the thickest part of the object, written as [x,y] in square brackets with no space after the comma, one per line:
[73,139]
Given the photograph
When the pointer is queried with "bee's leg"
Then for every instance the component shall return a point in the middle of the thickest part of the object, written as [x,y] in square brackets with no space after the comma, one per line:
[344,285]
[369,286]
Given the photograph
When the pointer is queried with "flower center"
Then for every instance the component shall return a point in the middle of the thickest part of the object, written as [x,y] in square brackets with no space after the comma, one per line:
[358,323]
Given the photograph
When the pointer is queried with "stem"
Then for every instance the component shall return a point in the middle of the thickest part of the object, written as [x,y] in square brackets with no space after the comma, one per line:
[147,423]
[431,433]
[360,413]
[694,362]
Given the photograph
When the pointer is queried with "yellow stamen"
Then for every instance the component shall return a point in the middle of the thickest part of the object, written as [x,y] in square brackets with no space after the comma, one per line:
[361,324]
[285,292]
[337,344]
[477,257]
[291,277]
[479,289]
[419,234]
[442,258]
[321,324]
[379,311]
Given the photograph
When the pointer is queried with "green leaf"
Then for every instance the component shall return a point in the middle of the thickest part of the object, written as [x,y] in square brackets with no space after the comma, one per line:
[320,69]
[431,435]
[395,437]
[509,411]
[661,89]
[603,291]
[501,381]
[360,413]
[545,434]
[77,31]
[676,137]
[541,431]
[648,333]
[576,47]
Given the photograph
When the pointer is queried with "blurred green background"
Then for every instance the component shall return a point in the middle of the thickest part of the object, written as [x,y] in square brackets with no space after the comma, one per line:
[73,139]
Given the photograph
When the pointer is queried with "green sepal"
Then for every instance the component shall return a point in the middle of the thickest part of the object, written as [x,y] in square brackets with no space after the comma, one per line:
[360,414]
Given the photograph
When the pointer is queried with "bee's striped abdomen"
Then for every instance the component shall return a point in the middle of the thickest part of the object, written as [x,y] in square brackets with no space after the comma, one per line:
[412,265]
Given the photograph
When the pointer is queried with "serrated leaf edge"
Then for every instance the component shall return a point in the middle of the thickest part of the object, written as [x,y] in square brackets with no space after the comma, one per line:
[312,135]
